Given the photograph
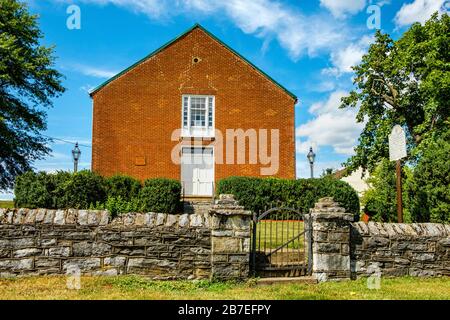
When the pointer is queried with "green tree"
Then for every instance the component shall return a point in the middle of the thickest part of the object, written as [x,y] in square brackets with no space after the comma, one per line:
[380,201]
[429,187]
[27,84]
[327,172]
[405,82]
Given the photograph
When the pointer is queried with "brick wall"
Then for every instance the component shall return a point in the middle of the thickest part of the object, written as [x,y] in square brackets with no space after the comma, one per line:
[134,116]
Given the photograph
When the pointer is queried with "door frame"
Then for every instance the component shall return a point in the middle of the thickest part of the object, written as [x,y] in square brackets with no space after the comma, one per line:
[213,167]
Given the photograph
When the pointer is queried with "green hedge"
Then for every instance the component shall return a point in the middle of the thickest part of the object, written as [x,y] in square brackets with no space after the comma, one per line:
[161,195]
[118,205]
[40,190]
[82,189]
[123,186]
[257,193]
[88,190]
[32,190]
[59,191]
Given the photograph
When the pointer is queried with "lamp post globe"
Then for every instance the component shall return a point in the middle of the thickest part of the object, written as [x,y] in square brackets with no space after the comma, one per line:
[76,153]
[311,157]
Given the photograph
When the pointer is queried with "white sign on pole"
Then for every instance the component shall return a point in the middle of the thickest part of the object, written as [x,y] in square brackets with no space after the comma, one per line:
[397,144]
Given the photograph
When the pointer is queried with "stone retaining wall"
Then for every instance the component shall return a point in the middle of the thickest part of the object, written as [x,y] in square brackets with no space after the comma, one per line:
[158,245]
[398,249]
[212,244]
[161,246]
[343,249]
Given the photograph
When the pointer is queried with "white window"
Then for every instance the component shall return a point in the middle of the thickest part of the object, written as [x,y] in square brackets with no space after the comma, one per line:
[197,116]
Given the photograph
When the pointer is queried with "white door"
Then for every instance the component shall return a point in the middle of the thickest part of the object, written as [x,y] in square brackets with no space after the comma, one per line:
[197,171]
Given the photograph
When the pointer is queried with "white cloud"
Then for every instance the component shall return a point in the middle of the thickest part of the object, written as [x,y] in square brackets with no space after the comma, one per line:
[87,88]
[329,106]
[331,127]
[151,8]
[342,8]
[343,59]
[418,11]
[94,71]
[347,57]
[323,86]
[299,34]
[302,147]
[337,130]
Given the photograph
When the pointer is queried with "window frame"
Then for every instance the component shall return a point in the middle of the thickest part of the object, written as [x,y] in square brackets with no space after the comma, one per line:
[198,131]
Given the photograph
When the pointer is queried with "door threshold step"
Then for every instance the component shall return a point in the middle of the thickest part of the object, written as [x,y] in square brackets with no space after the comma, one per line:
[283,280]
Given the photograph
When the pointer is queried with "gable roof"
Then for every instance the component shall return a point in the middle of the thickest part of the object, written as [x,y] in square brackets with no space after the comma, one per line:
[197,25]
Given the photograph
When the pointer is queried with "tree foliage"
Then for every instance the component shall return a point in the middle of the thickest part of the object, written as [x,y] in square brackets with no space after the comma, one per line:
[380,201]
[27,84]
[405,82]
[429,187]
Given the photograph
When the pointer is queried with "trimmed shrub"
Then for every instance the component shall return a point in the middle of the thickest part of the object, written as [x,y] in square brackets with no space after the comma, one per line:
[81,190]
[56,181]
[257,193]
[40,190]
[124,187]
[161,195]
[88,190]
[118,205]
[32,190]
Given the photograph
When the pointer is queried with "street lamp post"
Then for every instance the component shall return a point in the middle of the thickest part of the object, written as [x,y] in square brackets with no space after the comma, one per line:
[76,153]
[311,156]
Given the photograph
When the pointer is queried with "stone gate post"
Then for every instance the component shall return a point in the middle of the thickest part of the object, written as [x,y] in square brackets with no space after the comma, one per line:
[331,227]
[230,239]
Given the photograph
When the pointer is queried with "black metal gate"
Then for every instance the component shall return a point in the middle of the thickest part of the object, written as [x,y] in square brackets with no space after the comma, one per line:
[281,243]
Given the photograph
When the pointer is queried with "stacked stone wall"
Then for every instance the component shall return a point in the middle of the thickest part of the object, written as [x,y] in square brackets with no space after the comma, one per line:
[343,249]
[161,246]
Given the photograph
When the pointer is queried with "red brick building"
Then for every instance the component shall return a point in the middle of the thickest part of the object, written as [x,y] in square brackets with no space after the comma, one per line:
[173,113]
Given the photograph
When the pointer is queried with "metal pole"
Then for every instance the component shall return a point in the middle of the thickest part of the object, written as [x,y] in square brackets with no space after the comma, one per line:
[75,166]
[399,191]
[312,170]
[255,221]
[310,243]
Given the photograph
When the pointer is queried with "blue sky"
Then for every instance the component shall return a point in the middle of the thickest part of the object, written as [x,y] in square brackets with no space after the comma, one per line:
[308,46]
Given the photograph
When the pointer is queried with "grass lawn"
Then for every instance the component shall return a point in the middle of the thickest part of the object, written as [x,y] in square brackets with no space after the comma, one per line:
[6,204]
[133,287]
[271,234]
